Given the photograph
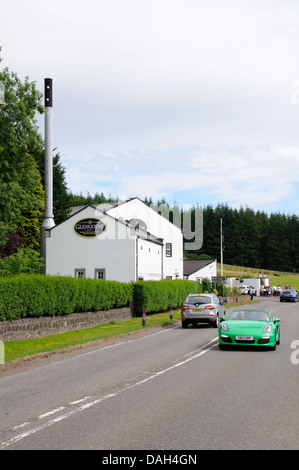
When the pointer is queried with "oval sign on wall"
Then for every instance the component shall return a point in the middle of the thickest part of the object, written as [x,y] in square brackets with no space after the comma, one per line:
[89,227]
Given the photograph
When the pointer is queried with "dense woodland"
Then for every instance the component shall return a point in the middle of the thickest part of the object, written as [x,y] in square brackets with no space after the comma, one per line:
[253,239]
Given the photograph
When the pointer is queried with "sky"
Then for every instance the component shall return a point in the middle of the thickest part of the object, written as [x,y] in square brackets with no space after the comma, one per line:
[193,101]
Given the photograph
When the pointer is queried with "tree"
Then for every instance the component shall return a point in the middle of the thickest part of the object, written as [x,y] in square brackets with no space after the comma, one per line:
[20,190]
[251,239]
[23,262]
[11,246]
[22,165]
[21,195]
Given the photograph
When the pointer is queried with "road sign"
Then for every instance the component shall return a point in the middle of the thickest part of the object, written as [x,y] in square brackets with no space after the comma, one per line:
[218,278]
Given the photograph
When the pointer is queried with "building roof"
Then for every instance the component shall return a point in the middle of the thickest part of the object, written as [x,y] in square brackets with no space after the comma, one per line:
[103,207]
[193,265]
[139,230]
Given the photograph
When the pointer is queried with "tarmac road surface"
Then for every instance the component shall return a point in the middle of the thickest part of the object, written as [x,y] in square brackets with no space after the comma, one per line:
[161,389]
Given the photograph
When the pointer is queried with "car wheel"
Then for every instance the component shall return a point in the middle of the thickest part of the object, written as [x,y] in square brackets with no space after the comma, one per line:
[216,322]
[184,324]
[273,348]
[278,339]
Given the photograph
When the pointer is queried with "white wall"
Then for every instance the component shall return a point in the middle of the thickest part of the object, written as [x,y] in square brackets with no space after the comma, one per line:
[116,249]
[208,271]
[113,250]
[255,282]
[149,260]
[252,282]
[158,226]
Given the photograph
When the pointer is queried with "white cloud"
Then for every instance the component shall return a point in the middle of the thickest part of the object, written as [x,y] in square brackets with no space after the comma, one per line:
[182,99]
[249,175]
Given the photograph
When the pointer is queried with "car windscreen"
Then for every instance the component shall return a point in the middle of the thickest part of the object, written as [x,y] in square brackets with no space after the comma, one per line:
[251,315]
[200,299]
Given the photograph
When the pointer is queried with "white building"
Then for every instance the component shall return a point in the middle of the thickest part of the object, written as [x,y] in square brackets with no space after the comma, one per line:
[123,242]
[257,283]
[198,269]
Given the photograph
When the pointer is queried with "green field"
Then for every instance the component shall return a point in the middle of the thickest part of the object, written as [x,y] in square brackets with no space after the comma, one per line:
[275,277]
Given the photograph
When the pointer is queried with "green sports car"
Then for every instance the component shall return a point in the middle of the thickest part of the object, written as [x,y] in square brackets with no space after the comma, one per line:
[249,328]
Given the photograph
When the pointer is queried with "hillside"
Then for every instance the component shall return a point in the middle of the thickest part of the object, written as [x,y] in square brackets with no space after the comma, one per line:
[275,277]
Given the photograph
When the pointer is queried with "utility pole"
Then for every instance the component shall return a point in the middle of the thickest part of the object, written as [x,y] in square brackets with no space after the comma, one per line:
[221,247]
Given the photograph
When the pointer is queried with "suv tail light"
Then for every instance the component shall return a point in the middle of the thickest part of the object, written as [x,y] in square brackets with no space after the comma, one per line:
[185,307]
[210,307]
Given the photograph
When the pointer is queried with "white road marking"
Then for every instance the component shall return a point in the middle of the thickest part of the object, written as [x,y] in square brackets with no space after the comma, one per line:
[79,401]
[203,350]
[45,415]
[21,425]
[121,343]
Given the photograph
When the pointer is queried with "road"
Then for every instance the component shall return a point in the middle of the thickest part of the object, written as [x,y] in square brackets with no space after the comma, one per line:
[162,389]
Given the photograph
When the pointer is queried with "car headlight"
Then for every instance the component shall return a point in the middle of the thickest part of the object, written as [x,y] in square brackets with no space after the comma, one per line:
[267,329]
[223,327]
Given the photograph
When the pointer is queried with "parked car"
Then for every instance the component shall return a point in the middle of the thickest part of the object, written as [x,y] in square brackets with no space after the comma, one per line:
[252,290]
[202,308]
[243,290]
[289,295]
[249,328]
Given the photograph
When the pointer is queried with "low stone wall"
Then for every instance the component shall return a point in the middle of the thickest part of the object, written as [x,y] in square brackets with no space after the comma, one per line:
[28,328]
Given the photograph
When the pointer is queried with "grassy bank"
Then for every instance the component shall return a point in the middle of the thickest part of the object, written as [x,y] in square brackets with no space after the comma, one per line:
[275,277]
[19,349]
[29,347]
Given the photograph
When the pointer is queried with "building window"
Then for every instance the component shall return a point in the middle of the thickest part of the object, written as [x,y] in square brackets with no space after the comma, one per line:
[168,250]
[80,273]
[168,277]
[100,274]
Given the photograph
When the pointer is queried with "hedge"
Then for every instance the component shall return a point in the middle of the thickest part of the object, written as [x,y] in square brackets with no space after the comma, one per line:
[158,296]
[37,295]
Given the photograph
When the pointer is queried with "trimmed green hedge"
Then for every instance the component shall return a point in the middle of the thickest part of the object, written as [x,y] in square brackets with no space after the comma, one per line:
[158,296]
[37,296]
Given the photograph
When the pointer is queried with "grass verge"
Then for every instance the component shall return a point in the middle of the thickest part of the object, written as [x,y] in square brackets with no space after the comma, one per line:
[20,349]
[29,347]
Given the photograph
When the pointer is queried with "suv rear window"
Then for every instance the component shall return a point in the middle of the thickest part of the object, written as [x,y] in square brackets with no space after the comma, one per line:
[202,299]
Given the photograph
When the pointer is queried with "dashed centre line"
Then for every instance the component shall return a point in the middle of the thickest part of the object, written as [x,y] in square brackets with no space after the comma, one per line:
[84,406]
